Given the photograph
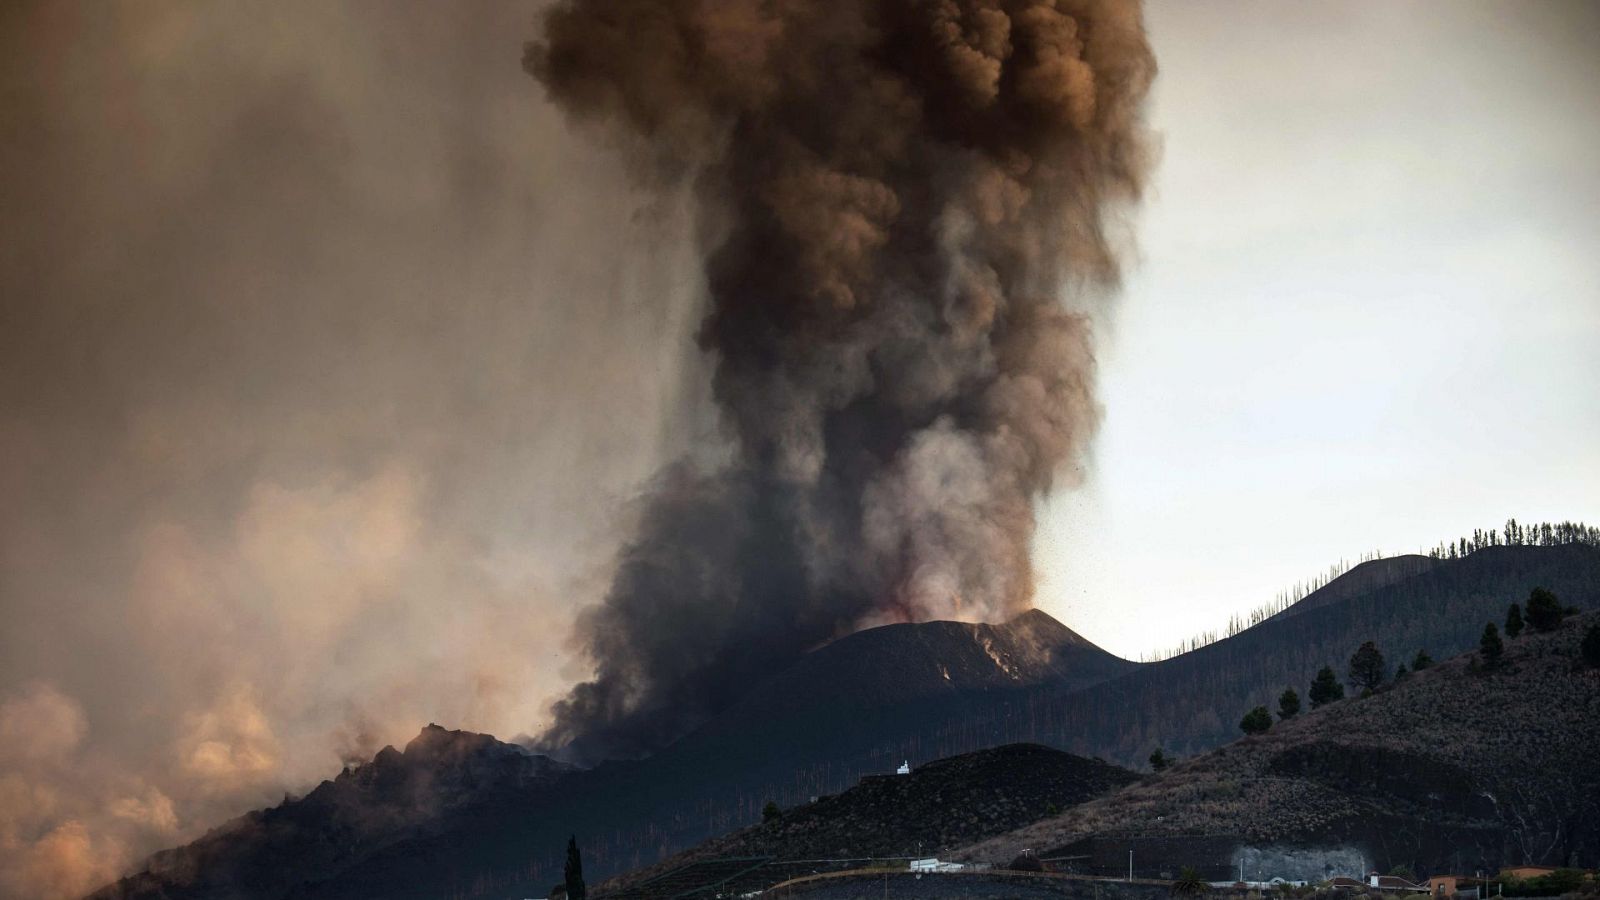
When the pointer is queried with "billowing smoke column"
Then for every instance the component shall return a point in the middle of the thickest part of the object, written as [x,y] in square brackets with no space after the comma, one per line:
[896,196]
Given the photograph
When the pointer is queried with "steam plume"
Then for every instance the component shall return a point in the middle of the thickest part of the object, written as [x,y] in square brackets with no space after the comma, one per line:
[895,198]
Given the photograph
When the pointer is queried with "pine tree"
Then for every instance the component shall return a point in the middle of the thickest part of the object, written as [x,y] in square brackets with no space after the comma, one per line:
[1490,647]
[574,871]
[1513,621]
[1159,761]
[1367,668]
[1400,672]
[1544,610]
[771,812]
[1288,704]
[1256,721]
[1422,661]
[1325,688]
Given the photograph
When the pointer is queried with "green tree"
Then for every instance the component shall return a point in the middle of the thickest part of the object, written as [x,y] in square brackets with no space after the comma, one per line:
[1159,761]
[1490,647]
[1401,671]
[1591,646]
[1256,721]
[574,871]
[1288,704]
[1189,883]
[1367,668]
[1513,621]
[770,812]
[1325,688]
[1544,610]
[1422,661]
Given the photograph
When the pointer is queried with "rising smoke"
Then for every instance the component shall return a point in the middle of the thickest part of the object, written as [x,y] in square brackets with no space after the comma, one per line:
[905,206]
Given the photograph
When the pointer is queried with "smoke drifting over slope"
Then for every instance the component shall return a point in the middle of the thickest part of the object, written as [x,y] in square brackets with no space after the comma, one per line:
[300,347]
[895,199]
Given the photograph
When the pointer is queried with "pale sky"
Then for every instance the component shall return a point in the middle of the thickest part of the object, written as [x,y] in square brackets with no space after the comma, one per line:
[1366,312]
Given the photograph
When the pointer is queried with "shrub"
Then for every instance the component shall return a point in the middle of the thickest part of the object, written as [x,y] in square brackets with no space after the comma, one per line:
[1325,688]
[1288,704]
[1256,721]
[1544,610]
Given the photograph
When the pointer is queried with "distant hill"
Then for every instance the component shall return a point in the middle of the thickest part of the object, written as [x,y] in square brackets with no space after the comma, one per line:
[854,707]
[942,805]
[1448,770]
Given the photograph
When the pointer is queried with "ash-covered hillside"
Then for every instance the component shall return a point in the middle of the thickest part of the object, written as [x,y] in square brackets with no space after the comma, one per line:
[854,707]
[461,814]
[441,778]
[942,805]
[1449,769]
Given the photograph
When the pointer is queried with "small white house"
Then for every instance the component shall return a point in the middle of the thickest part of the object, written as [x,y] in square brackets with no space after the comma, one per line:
[932,864]
[905,768]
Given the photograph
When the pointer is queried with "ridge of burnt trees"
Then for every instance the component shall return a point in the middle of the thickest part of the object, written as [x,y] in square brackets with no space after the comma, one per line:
[1512,534]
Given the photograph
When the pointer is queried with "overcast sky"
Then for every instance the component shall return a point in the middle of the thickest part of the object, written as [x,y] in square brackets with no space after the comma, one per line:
[1367,313]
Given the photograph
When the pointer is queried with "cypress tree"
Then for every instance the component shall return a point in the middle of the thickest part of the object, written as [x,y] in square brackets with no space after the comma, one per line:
[1490,647]
[1513,621]
[574,871]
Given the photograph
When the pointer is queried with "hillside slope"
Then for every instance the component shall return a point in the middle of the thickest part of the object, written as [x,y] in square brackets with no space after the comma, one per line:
[1451,768]
[441,777]
[1192,702]
[861,705]
[1361,579]
[464,814]
[939,806]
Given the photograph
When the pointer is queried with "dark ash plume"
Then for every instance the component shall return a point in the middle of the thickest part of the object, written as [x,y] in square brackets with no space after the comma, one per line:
[897,196]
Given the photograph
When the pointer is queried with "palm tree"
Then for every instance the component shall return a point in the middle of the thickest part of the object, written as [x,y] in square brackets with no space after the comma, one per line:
[1189,884]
